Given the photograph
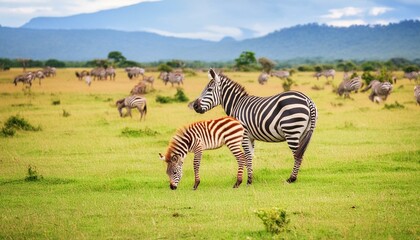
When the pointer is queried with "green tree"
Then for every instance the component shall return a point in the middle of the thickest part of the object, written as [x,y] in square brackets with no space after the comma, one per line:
[117,57]
[55,63]
[246,61]
[266,64]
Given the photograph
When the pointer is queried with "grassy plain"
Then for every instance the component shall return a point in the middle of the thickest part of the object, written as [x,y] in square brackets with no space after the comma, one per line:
[360,177]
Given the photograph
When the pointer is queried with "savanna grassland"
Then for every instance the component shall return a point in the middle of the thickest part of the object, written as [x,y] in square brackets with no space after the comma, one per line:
[100,176]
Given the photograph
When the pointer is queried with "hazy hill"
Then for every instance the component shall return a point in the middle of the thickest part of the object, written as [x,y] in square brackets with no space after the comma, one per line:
[307,41]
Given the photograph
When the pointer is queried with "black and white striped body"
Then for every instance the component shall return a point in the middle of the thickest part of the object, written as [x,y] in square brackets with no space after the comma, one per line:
[417,94]
[25,78]
[288,116]
[200,136]
[348,86]
[280,74]
[329,73]
[173,77]
[380,90]
[263,78]
[133,101]
[411,75]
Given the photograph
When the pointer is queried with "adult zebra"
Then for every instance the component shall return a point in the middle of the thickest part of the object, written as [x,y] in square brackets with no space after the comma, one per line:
[348,86]
[288,116]
[200,136]
[130,102]
[380,90]
[263,78]
[280,74]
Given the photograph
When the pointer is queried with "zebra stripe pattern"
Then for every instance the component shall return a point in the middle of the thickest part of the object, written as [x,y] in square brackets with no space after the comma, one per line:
[201,136]
[280,74]
[417,94]
[380,90]
[289,116]
[130,102]
[348,86]
[263,78]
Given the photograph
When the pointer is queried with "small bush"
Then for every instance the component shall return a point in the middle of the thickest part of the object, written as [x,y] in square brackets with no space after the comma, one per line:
[65,113]
[274,219]
[32,175]
[179,97]
[19,123]
[287,84]
[56,102]
[127,132]
[8,132]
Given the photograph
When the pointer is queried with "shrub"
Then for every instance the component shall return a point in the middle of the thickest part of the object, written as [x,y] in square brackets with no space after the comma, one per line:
[20,123]
[127,132]
[287,84]
[32,175]
[65,113]
[56,102]
[274,219]
[179,97]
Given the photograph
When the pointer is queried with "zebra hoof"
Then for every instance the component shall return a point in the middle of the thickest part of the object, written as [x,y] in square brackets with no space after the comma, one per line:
[237,184]
[291,179]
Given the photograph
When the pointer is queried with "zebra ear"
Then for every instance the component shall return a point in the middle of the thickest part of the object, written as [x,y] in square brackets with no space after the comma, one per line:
[213,75]
[161,157]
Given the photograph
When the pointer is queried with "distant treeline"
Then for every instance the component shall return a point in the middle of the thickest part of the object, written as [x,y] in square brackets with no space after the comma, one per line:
[299,64]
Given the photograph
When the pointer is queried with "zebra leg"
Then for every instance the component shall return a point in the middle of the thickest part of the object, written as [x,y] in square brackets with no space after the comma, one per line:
[248,146]
[197,159]
[240,158]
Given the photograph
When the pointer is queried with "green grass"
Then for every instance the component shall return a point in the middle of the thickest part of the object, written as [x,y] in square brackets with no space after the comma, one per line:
[102,177]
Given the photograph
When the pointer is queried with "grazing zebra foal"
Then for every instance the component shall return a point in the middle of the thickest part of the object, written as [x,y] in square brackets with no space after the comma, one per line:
[130,102]
[263,78]
[417,94]
[317,75]
[289,116]
[348,86]
[380,90]
[200,136]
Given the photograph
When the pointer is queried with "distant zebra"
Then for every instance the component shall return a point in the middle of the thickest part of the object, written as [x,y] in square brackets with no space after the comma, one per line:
[263,78]
[49,71]
[81,75]
[134,72]
[329,73]
[149,79]
[348,86]
[417,94]
[174,77]
[317,75]
[200,136]
[289,116]
[110,72]
[98,73]
[380,90]
[280,74]
[140,88]
[130,102]
[411,75]
[25,78]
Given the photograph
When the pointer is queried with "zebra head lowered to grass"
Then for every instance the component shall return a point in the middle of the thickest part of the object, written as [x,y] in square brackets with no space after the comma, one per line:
[380,90]
[289,116]
[133,101]
[200,136]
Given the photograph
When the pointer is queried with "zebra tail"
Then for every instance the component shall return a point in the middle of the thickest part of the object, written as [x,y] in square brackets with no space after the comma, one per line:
[308,135]
[304,144]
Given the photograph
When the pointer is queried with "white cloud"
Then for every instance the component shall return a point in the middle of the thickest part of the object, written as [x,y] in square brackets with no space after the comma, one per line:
[343,12]
[376,11]
[346,23]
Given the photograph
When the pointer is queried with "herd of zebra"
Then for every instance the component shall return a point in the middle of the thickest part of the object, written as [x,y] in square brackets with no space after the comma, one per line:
[29,77]
[379,90]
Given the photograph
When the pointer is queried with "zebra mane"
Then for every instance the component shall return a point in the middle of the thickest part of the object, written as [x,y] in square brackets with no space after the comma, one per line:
[175,141]
[224,78]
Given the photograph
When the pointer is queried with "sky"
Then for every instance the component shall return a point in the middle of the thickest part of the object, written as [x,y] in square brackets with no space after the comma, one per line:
[267,15]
